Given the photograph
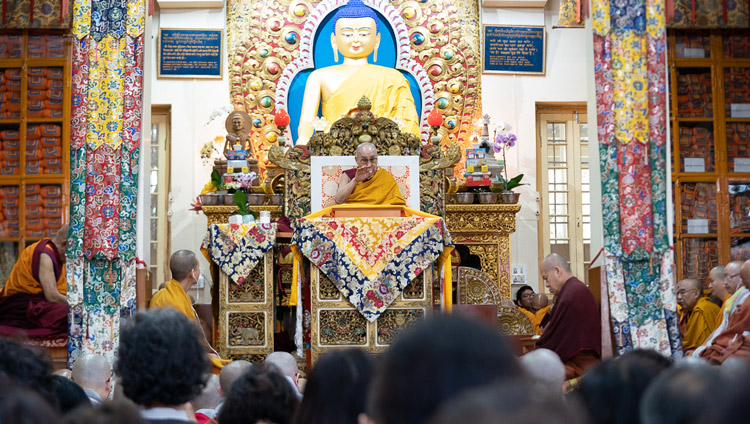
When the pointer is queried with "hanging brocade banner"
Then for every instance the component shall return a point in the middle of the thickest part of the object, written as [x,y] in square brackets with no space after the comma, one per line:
[629,54]
[106,111]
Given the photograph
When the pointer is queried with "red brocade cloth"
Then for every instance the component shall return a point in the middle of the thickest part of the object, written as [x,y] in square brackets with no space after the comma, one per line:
[572,325]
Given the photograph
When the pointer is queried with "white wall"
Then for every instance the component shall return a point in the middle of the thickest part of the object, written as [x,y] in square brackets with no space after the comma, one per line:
[192,101]
[513,99]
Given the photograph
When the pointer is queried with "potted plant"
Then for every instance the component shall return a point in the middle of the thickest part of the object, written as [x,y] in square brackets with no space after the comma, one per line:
[240,199]
[504,140]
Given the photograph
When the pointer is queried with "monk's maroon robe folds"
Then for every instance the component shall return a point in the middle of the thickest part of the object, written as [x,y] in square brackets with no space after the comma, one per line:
[572,327]
[22,303]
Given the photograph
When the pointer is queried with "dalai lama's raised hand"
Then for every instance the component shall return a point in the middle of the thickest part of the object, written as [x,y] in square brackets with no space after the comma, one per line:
[364,173]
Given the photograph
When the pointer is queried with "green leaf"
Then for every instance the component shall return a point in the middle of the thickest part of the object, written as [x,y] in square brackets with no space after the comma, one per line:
[241,201]
[216,180]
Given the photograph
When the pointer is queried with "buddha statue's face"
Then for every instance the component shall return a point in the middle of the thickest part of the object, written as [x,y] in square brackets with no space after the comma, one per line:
[355,37]
[237,123]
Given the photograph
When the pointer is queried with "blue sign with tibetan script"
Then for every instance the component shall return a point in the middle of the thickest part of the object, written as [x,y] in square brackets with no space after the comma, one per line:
[190,53]
[514,49]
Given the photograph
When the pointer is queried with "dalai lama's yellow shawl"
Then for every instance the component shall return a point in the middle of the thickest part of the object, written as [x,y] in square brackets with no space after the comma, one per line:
[381,189]
[385,87]
[371,260]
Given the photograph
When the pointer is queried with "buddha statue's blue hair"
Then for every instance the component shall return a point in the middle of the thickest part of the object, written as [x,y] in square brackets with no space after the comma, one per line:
[355,9]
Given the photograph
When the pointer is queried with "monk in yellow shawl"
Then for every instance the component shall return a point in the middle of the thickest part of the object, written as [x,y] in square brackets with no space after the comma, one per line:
[367,183]
[698,314]
[339,87]
[34,297]
[185,270]
[718,289]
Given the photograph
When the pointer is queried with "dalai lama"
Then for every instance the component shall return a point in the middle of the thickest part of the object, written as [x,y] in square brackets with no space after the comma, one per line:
[367,183]
[34,297]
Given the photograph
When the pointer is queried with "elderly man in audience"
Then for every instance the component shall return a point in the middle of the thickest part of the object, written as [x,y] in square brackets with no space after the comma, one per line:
[697,313]
[718,288]
[93,373]
[205,403]
[546,369]
[229,374]
[572,328]
[162,365]
[732,337]
[285,363]
[732,280]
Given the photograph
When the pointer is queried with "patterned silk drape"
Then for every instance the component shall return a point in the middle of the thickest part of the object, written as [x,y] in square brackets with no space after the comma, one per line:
[104,142]
[630,54]
[33,14]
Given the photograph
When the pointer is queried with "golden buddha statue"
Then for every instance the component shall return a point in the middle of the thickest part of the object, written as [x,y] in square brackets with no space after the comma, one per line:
[339,87]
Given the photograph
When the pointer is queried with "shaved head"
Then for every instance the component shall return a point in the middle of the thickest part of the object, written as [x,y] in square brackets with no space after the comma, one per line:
[688,292]
[745,273]
[209,397]
[182,263]
[284,362]
[92,372]
[732,277]
[539,301]
[546,370]
[552,260]
[231,372]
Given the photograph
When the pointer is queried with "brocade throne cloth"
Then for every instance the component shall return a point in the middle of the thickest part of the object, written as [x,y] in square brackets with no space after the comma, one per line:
[371,260]
[237,248]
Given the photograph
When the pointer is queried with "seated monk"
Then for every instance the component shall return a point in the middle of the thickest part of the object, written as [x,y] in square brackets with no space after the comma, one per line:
[540,305]
[523,301]
[698,313]
[367,183]
[338,88]
[718,289]
[572,329]
[731,339]
[34,297]
[185,270]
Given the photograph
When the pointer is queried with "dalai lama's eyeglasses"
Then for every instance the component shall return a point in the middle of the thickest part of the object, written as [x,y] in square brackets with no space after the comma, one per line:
[683,291]
[365,161]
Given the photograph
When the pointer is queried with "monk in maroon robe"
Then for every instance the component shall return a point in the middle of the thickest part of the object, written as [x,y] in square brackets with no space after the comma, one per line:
[572,327]
[33,299]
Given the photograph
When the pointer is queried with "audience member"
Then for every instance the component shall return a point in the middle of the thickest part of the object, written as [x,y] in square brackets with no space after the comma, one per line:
[108,412]
[93,373]
[513,401]
[681,395]
[21,405]
[524,296]
[572,328]
[287,366]
[63,372]
[28,368]
[229,374]
[162,365]
[262,395]
[732,280]
[434,361]
[540,305]
[611,391]
[697,313]
[337,389]
[545,369]
[732,337]
[206,402]
[69,395]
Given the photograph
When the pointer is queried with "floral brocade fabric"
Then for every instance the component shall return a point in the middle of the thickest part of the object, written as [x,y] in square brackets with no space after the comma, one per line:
[371,260]
[630,77]
[238,248]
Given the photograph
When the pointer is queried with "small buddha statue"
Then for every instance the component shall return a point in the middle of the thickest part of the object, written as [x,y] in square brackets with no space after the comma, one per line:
[339,87]
[238,132]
